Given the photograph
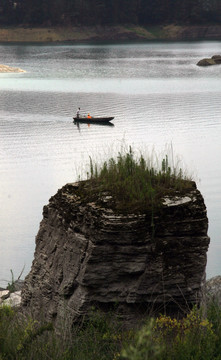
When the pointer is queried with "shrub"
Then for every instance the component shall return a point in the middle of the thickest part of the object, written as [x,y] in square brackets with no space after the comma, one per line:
[22,338]
[143,347]
[192,337]
[101,336]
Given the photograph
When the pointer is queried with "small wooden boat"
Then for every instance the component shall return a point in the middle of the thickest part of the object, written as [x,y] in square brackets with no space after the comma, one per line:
[93,120]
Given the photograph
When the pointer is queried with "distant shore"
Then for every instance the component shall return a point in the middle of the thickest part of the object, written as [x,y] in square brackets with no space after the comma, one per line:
[110,33]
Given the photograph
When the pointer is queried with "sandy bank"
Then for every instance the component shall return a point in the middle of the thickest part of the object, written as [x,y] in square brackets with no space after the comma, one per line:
[112,33]
[8,69]
[74,34]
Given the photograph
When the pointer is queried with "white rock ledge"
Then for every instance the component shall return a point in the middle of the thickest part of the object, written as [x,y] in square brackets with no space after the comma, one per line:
[14,299]
[177,200]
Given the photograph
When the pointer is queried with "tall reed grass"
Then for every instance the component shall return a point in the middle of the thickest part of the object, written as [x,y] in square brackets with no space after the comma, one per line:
[102,336]
[134,183]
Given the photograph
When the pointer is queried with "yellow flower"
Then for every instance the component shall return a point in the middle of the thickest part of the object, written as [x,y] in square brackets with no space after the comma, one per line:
[116,356]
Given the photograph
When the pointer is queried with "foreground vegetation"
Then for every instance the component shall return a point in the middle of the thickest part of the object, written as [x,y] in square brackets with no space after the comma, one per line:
[133,183]
[102,336]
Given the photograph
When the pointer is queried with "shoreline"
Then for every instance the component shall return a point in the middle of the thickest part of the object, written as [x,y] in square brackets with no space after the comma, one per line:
[114,33]
[9,69]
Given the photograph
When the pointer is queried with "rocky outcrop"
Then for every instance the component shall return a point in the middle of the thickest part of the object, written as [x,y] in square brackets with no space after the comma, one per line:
[12,295]
[189,32]
[214,60]
[213,290]
[87,253]
[200,32]
[11,299]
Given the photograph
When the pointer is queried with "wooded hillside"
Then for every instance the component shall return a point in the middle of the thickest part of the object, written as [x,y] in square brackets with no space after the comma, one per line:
[101,12]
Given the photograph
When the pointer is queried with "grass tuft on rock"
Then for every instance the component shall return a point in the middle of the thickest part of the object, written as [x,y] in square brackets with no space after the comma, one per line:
[133,184]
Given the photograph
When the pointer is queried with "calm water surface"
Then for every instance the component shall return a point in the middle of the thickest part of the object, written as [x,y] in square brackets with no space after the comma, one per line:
[159,98]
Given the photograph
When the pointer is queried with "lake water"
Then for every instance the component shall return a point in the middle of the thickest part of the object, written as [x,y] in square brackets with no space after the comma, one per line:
[160,99]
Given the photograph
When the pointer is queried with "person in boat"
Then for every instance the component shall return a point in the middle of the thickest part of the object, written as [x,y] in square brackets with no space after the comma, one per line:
[88,116]
[78,113]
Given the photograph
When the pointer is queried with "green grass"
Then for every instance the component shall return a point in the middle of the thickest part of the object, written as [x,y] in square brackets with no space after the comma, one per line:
[133,184]
[102,336]
[156,31]
[23,338]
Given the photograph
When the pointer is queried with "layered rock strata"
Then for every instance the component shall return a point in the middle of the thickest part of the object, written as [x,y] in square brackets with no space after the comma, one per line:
[87,253]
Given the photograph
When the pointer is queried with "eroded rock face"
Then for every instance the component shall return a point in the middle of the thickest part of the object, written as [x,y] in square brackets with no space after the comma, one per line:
[87,253]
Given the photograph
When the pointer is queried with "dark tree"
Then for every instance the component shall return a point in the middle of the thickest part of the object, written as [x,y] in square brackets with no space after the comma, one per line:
[95,12]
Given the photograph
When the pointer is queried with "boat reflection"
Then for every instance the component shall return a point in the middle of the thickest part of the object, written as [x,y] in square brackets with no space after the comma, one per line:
[77,123]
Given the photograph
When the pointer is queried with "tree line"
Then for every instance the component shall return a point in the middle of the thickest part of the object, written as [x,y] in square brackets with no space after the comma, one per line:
[110,12]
